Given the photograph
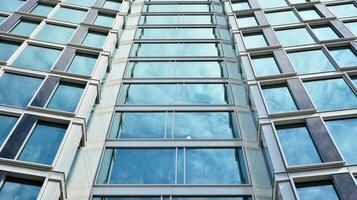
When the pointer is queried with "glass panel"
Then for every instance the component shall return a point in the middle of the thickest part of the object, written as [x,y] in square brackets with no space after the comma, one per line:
[265,66]
[104,20]
[95,39]
[242,5]
[7,48]
[14,188]
[344,131]
[182,19]
[312,61]
[7,124]
[297,145]
[205,94]
[331,94]
[42,9]
[279,99]
[87,3]
[354,80]
[271,4]
[254,40]
[318,190]
[247,21]
[178,8]
[54,33]
[10,6]
[24,28]
[293,37]
[82,64]
[126,198]
[343,10]
[43,151]
[112,5]
[69,15]
[284,17]
[2,18]
[32,58]
[352,26]
[211,198]
[309,14]
[345,57]
[325,33]
[177,33]
[66,97]
[25,89]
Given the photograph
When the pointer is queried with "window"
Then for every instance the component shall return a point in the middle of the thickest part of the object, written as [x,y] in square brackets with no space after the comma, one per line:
[10,6]
[343,10]
[7,124]
[171,94]
[278,99]
[344,56]
[246,21]
[331,94]
[104,20]
[198,166]
[175,69]
[240,5]
[173,198]
[87,3]
[55,33]
[42,9]
[325,33]
[175,49]
[82,64]
[354,80]
[352,26]
[7,48]
[25,87]
[297,145]
[112,4]
[169,125]
[2,19]
[265,65]
[344,131]
[283,17]
[32,57]
[66,97]
[311,61]
[178,8]
[24,27]
[15,188]
[254,40]
[95,39]
[294,37]
[271,4]
[178,33]
[317,190]
[309,14]
[69,15]
[43,151]
[180,19]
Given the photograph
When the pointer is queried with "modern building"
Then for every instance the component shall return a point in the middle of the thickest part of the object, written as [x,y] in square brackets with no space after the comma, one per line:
[178,100]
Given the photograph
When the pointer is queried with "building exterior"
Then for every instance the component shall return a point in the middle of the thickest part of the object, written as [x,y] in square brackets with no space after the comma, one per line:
[178,100]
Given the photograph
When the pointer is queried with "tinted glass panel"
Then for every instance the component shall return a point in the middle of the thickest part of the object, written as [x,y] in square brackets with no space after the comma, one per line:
[352,26]
[177,33]
[7,49]
[242,5]
[279,99]
[42,9]
[66,97]
[14,188]
[104,20]
[271,4]
[10,6]
[247,21]
[325,33]
[112,5]
[82,64]
[7,123]
[254,40]
[315,191]
[204,19]
[293,37]
[54,33]
[178,8]
[95,39]
[24,28]
[69,15]
[345,57]
[344,10]
[2,18]
[265,66]
[87,3]
[285,17]
[309,14]
[43,151]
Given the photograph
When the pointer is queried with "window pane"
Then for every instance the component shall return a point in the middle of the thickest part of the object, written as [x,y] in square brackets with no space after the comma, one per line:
[325,33]
[279,99]
[2,18]
[82,64]
[247,21]
[112,5]
[309,14]
[32,58]
[69,15]
[10,6]
[254,40]
[211,198]
[17,90]
[178,8]
[182,19]
[126,198]
[345,57]
[66,97]
[265,66]
[318,190]
[297,146]
[95,39]
[24,28]
[87,3]
[311,61]
[344,10]
[271,4]
[177,33]
[54,33]
[352,26]
[7,48]
[331,94]
[7,123]
[293,37]
[205,94]
[284,17]
[43,151]
[104,20]
[42,9]
[241,5]
[14,188]
[344,131]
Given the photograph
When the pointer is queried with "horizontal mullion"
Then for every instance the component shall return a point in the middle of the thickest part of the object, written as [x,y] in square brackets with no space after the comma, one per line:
[168,143]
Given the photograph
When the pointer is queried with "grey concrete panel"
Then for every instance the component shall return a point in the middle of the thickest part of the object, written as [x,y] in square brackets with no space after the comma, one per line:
[270,37]
[342,29]
[45,91]
[26,7]
[299,94]
[91,16]
[65,59]
[283,61]
[79,35]
[260,16]
[99,3]
[345,186]
[253,4]
[9,22]
[324,10]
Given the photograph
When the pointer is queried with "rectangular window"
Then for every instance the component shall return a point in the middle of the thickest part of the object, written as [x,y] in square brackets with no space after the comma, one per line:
[170,125]
[7,48]
[178,8]
[240,5]
[66,97]
[318,190]
[24,27]
[173,166]
[10,6]
[180,33]
[265,65]
[343,10]
[2,19]
[104,20]
[279,99]
[82,64]
[55,33]
[86,3]
[7,124]
[112,4]
[95,39]
[43,151]
[173,198]
[294,37]
[325,33]
[271,4]
[180,19]
[282,17]
[352,26]
[69,15]
[254,40]
[309,14]
[42,9]
[246,21]
[344,56]
[15,188]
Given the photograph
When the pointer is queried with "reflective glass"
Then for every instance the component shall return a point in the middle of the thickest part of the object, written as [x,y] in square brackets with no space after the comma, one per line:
[66,97]
[309,14]
[104,20]
[211,198]
[2,18]
[345,57]
[69,15]
[56,34]
[265,66]
[32,57]
[254,40]
[126,198]
[284,17]
[179,69]
[181,19]
[241,5]
[10,5]
[7,123]
[293,37]
[325,33]
[7,48]
[178,8]
[297,145]
[82,64]
[352,26]
[16,189]
[112,4]
[331,94]
[279,99]
[177,33]
[95,39]
[344,131]
[17,90]
[175,49]
[354,80]
[24,28]
[87,3]
[312,61]
[271,4]
[42,9]
[343,10]
[247,21]
[317,191]
[43,151]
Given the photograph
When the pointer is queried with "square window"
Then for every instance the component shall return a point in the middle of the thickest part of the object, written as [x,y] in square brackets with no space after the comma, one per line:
[69,15]
[240,5]
[271,4]
[256,40]
[279,99]
[283,17]
[246,21]
[32,58]
[42,9]
[7,124]
[24,27]
[95,39]
[15,188]
[82,64]
[352,26]
[55,33]
[325,33]
[331,94]
[112,4]
[311,61]
[294,37]
[10,6]
[104,20]
[309,14]
[66,97]
[87,3]
[344,56]
[265,66]
[343,10]
[317,190]
[7,48]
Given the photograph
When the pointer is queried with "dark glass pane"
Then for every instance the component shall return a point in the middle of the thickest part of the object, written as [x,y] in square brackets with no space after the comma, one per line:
[178,8]
[7,124]
[13,189]
[177,33]
[7,48]
[66,97]
[182,19]
[317,191]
